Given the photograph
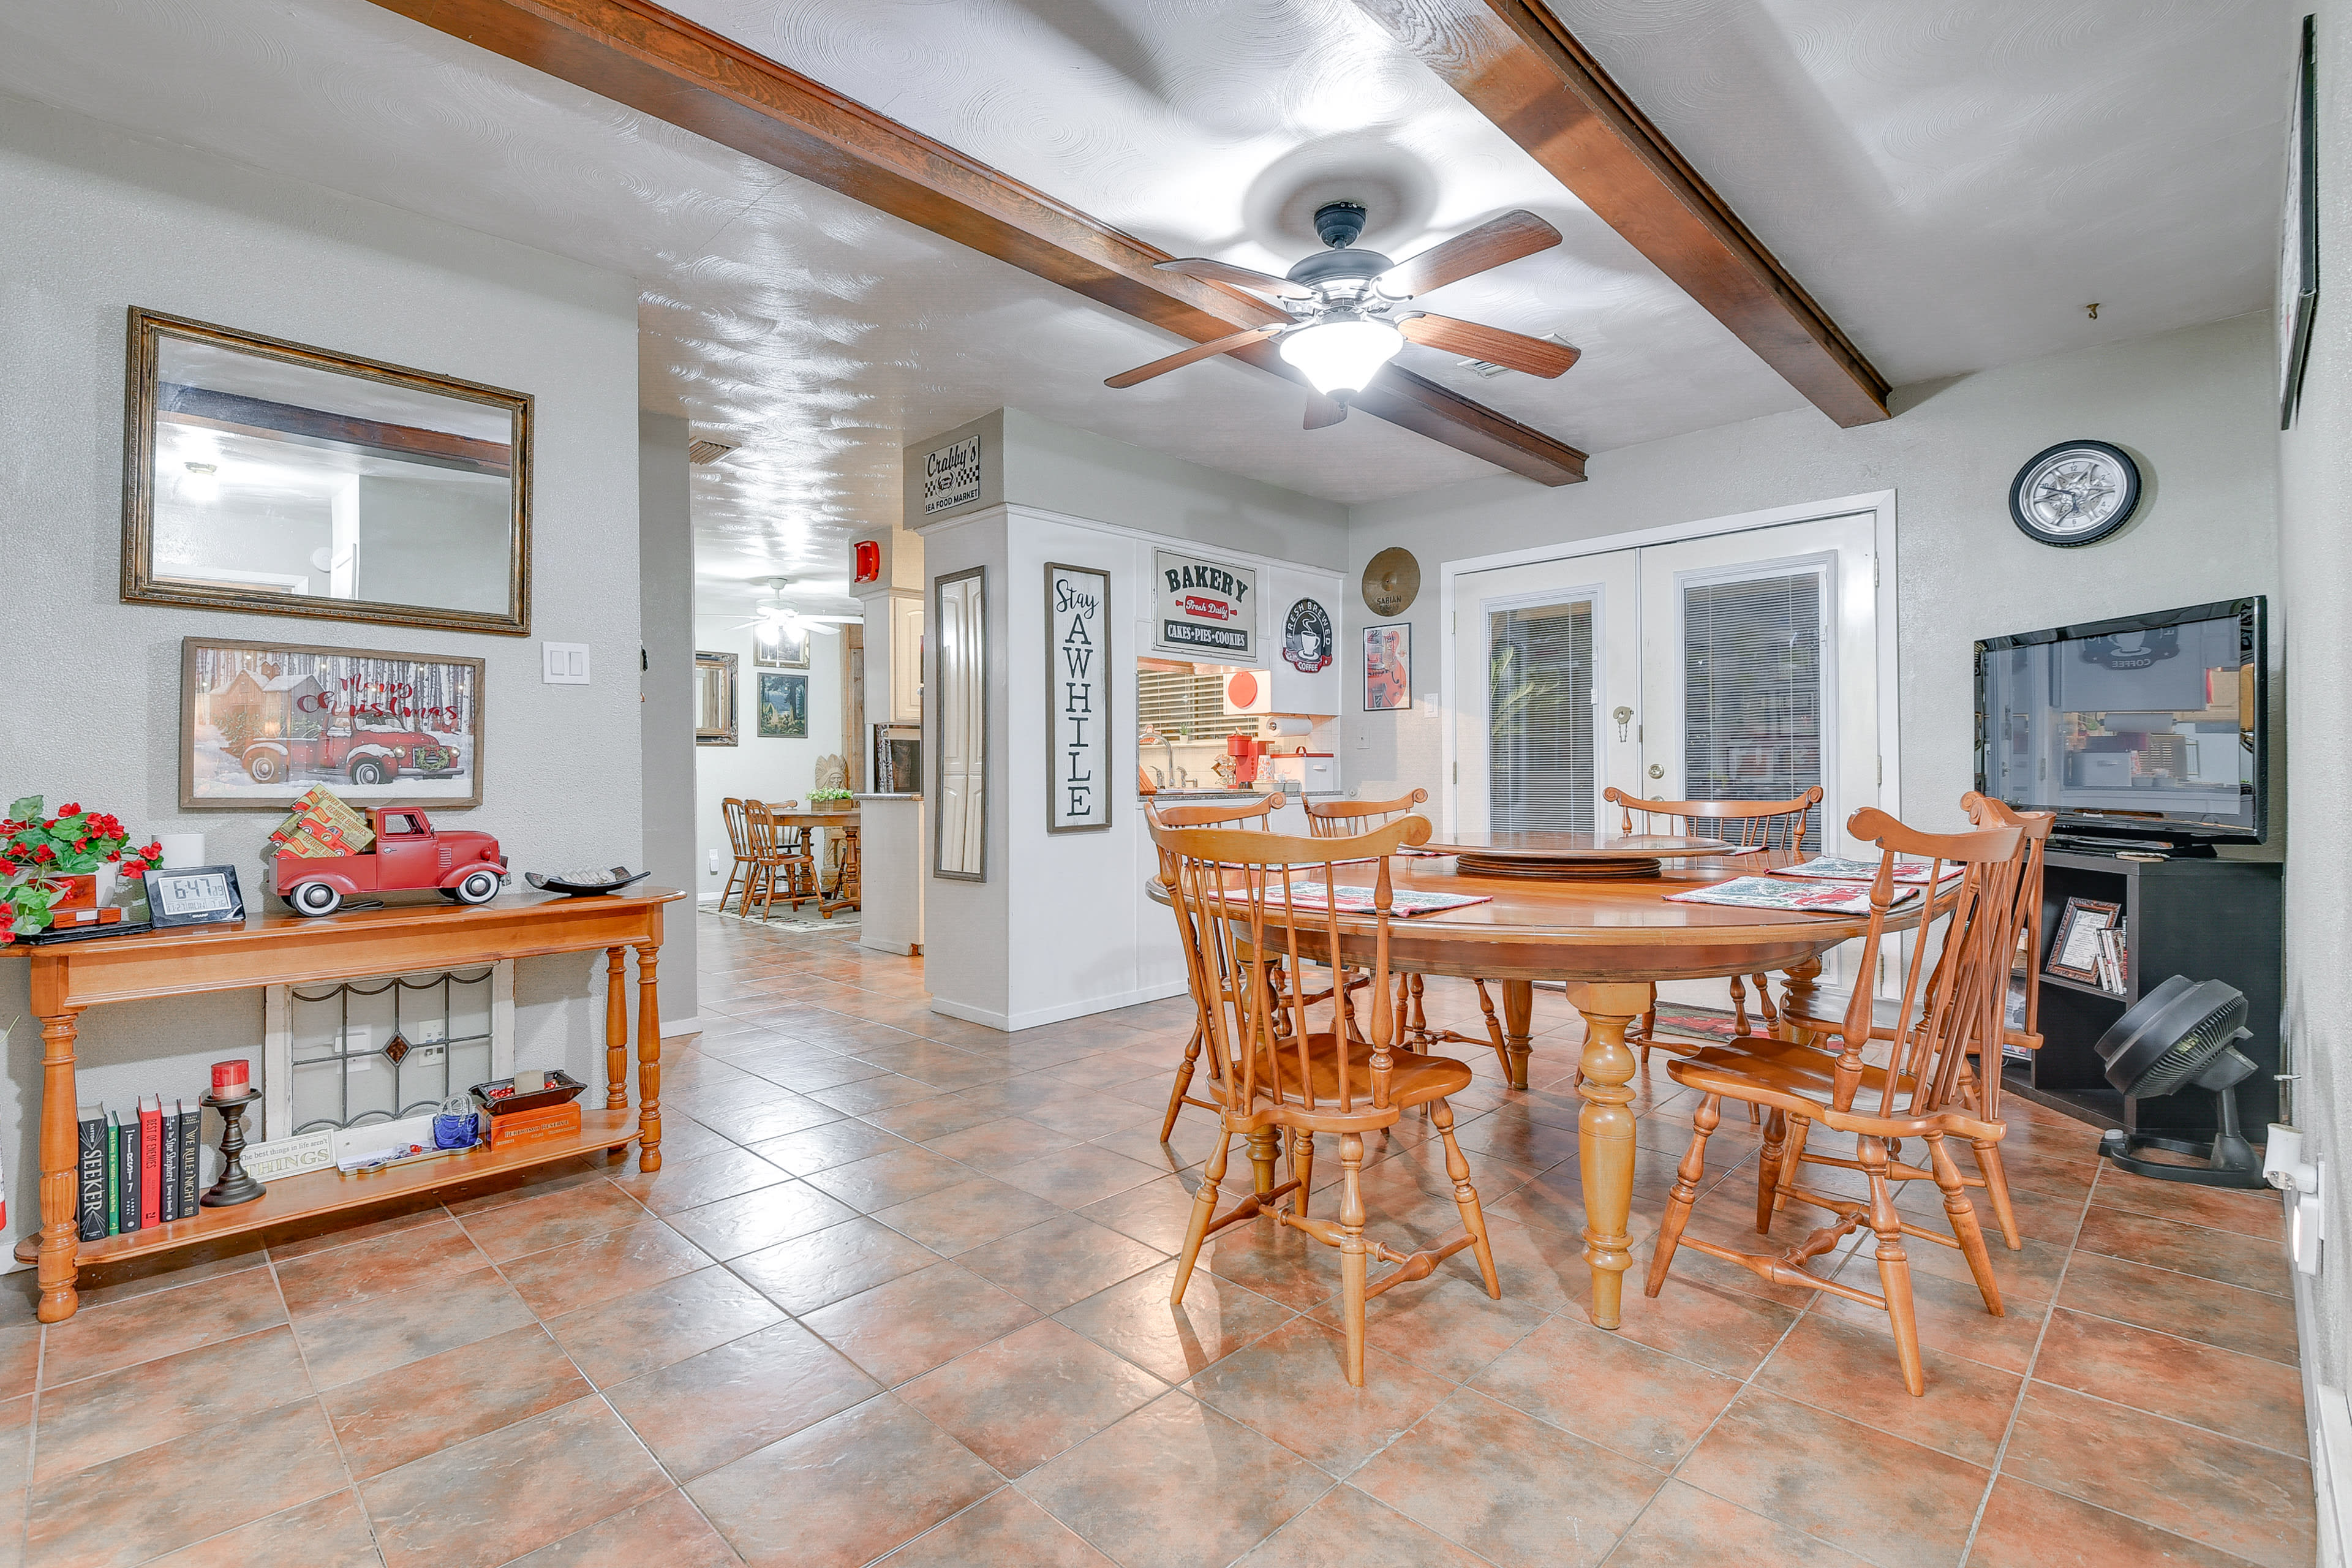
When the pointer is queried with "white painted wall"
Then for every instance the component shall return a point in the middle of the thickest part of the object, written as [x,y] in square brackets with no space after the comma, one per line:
[2315,562]
[98,221]
[2193,407]
[665,691]
[757,767]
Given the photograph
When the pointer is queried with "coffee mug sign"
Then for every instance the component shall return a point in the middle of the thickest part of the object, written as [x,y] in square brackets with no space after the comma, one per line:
[1307,636]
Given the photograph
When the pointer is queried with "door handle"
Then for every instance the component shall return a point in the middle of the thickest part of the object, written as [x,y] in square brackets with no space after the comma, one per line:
[1657,770]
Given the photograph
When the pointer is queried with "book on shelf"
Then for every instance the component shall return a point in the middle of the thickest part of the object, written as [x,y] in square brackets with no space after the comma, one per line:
[111,1136]
[2115,955]
[192,1128]
[150,1161]
[167,1168]
[90,1172]
[126,1156]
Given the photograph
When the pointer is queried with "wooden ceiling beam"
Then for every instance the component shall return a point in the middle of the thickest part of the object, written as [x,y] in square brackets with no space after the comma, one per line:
[638,54]
[1519,67]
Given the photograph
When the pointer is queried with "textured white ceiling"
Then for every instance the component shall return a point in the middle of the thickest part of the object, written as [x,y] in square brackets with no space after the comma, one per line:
[1952,178]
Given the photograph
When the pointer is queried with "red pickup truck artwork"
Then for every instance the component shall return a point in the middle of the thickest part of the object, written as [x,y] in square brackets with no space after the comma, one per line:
[466,867]
[366,757]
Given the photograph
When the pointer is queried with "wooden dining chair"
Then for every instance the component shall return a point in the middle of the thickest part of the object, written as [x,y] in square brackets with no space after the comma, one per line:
[773,851]
[1913,1095]
[1219,815]
[1979,1085]
[1338,819]
[739,841]
[1768,824]
[1235,898]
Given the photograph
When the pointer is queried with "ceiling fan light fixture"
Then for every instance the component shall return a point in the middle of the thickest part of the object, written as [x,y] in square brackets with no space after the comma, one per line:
[1341,356]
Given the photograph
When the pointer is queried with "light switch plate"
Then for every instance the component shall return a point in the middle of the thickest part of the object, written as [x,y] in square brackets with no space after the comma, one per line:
[566,663]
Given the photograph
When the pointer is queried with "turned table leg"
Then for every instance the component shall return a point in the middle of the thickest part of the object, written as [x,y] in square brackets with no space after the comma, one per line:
[1796,996]
[1605,1139]
[61,1160]
[1519,1019]
[617,1028]
[649,1062]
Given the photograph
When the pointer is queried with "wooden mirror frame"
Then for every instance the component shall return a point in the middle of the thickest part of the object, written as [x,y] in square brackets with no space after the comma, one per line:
[724,665]
[141,586]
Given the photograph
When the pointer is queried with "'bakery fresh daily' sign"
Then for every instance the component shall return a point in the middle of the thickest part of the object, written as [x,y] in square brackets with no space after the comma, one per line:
[1203,606]
[952,476]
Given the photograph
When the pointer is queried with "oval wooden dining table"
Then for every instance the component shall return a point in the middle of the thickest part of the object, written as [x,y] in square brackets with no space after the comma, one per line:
[1609,942]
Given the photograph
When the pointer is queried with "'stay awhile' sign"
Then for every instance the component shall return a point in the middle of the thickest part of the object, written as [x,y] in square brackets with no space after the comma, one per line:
[1203,606]
[1078,700]
[952,476]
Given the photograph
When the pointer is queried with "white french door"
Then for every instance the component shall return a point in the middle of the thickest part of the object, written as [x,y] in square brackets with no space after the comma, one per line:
[1736,666]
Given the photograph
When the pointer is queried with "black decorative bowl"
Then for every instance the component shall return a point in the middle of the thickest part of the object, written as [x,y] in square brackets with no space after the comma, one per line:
[561,1088]
[585,884]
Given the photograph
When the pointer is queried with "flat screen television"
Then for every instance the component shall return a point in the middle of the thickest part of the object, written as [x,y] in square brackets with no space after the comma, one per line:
[2147,727]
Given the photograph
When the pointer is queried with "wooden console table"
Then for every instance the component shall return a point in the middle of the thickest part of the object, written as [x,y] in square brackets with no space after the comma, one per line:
[280,948]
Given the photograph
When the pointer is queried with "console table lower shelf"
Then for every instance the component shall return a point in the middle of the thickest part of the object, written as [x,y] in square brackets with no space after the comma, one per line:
[316,1192]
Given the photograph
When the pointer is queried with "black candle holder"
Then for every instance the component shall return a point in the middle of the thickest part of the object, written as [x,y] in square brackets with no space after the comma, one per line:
[235,1185]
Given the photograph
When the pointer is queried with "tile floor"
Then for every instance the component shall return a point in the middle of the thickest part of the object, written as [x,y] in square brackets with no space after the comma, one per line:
[899,1290]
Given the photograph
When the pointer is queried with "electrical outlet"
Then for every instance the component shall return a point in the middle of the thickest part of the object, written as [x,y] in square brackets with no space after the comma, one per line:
[714,862]
[430,1031]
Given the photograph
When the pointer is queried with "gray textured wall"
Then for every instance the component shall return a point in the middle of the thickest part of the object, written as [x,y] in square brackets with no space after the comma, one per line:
[98,221]
[665,691]
[2315,559]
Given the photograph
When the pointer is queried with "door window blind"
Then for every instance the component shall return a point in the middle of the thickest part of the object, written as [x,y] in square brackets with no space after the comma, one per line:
[1752,691]
[1539,760]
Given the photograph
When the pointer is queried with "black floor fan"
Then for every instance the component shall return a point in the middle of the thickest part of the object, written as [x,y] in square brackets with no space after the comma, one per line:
[2184,1032]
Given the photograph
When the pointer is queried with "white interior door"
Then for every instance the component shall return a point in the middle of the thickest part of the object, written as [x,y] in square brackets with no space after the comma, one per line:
[1544,655]
[1759,669]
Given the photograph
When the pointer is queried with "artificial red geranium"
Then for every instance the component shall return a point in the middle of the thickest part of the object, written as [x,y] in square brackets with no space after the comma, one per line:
[37,851]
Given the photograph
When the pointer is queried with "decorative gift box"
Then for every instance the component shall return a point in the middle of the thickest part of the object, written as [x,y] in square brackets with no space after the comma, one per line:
[322,825]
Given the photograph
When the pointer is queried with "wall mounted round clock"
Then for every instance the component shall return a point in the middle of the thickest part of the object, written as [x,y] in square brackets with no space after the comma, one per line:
[2075,494]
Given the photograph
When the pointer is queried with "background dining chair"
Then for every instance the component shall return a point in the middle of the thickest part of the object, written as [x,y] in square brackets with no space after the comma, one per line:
[1768,824]
[1234,895]
[1914,1094]
[773,852]
[738,840]
[1217,815]
[1338,818]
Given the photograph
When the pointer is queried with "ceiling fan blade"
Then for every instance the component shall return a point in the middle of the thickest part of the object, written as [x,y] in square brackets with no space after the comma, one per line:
[1322,411]
[1512,351]
[1178,360]
[1257,282]
[1491,244]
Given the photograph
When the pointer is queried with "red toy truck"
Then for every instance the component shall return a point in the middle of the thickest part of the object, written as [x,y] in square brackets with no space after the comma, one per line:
[407,853]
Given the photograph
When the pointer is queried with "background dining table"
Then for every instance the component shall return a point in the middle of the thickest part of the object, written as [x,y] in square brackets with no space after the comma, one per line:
[1609,942]
[843,893]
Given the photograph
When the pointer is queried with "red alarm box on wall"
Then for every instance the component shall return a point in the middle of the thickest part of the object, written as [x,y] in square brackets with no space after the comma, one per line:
[865,558]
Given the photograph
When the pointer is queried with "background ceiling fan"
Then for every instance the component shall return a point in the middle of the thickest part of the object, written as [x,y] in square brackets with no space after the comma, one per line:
[773,612]
[1348,308]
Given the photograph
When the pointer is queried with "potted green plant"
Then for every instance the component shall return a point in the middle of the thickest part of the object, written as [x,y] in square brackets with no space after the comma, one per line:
[830,800]
[64,861]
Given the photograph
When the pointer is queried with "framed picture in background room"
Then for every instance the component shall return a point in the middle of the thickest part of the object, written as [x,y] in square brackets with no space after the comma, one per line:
[1388,666]
[783,707]
[260,722]
[775,646]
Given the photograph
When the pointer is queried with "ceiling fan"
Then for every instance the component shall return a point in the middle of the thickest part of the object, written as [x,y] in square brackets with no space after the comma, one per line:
[1347,308]
[774,611]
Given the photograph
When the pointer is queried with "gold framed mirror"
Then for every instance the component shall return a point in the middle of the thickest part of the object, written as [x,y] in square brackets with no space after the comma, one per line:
[266,476]
[714,700]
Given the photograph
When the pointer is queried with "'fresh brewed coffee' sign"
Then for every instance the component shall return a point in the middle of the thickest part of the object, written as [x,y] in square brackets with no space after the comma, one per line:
[1201,607]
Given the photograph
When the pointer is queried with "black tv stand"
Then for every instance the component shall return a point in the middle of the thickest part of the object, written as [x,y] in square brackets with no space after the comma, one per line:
[2208,919]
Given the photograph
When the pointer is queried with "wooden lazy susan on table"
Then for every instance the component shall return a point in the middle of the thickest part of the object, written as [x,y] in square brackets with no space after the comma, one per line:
[1572,857]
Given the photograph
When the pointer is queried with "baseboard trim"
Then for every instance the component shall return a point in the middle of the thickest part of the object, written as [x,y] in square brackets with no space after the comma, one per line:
[1034,1018]
[2327,1414]
[673,1027]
